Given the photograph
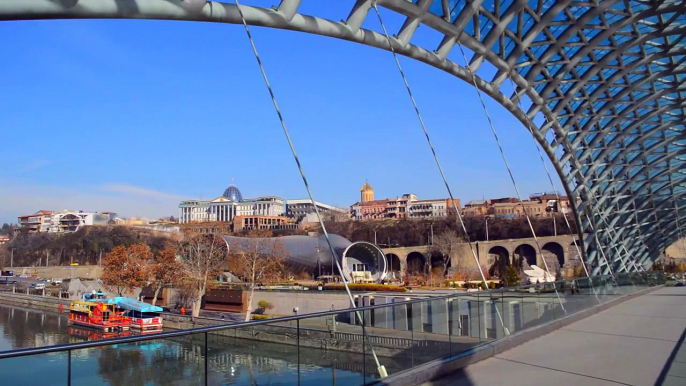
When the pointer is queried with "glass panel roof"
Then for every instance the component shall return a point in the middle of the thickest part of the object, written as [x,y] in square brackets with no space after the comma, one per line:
[626,65]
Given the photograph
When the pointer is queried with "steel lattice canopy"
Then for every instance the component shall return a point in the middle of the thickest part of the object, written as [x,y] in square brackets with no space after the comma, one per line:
[603,81]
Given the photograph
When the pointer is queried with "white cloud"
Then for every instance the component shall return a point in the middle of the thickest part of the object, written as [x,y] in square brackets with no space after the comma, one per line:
[138,191]
[125,200]
[31,166]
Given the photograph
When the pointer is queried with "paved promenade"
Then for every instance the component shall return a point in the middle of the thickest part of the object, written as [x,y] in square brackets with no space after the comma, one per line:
[638,342]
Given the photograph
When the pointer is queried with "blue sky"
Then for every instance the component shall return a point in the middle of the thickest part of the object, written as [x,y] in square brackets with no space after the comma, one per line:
[133,116]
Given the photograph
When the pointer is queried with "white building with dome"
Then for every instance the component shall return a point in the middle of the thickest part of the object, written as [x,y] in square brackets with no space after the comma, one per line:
[229,205]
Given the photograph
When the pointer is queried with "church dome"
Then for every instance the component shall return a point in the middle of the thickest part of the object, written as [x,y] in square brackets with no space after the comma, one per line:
[233,193]
[366,187]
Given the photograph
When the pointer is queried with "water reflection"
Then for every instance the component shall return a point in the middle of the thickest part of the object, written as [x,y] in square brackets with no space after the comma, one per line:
[171,361]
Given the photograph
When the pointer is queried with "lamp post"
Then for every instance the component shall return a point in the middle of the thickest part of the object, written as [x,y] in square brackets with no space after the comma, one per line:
[486,228]
[12,258]
[432,233]
[554,225]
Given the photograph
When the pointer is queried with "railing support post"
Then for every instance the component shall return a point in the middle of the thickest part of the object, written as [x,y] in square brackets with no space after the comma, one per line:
[297,324]
[207,373]
[68,367]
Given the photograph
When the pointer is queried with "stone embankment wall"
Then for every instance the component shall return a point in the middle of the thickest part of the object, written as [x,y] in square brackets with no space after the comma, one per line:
[313,334]
[82,271]
[49,303]
[306,302]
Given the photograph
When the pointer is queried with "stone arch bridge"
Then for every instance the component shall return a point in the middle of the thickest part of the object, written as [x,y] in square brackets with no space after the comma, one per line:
[418,257]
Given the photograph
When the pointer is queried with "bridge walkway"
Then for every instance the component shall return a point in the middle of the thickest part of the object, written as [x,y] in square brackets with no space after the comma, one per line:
[638,342]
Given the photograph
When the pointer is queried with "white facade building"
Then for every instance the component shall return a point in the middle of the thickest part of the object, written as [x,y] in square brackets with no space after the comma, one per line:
[261,206]
[303,207]
[64,221]
[427,208]
[228,206]
[70,221]
[219,209]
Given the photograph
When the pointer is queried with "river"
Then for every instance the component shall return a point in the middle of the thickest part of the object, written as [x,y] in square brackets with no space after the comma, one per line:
[173,361]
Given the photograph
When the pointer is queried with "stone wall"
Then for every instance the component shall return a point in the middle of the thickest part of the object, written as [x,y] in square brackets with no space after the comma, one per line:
[81,271]
[306,302]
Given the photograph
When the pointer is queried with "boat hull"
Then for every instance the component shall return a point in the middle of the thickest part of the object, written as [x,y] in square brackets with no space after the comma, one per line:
[99,327]
[147,324]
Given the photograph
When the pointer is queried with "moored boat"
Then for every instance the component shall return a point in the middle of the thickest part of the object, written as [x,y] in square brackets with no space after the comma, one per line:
[98,315]
[144,316]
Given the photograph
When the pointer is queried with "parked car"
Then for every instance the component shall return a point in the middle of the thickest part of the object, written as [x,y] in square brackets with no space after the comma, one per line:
[57,280]
[38,286]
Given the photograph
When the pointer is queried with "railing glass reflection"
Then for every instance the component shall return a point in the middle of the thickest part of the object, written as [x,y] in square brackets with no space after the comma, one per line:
[335,347]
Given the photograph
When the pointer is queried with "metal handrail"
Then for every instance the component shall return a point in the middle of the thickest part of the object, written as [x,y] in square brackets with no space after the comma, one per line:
[218,327]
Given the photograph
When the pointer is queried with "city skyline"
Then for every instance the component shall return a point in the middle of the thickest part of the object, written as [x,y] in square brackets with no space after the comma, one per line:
[135,125]
[173,211]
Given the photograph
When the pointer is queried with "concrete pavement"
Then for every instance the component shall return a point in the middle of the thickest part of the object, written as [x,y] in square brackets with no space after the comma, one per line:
[638,342]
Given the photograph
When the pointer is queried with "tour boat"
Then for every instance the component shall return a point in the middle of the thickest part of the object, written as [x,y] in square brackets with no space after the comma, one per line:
[94,296]
[98,315]
[144,316]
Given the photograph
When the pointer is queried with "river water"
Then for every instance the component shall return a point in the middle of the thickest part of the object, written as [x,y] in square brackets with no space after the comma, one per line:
[172,361]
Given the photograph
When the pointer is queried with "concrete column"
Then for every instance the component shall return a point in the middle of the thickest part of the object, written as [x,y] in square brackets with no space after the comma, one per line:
[399,314]
[381,315]
[415,322]
[367,315]
[403,265]
[439,316]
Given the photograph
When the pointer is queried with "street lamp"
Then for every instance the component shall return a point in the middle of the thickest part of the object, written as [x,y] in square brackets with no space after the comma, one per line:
[486,228]
[12,258]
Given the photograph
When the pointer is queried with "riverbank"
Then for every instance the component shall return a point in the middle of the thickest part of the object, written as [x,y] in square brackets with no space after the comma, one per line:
[319,333]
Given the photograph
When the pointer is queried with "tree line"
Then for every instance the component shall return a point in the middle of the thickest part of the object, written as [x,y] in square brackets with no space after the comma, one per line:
[413,232]
[192,265]
[6,229]
[85,246]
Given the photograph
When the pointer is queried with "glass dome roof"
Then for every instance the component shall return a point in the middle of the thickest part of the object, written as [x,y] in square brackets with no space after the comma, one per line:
[233,193]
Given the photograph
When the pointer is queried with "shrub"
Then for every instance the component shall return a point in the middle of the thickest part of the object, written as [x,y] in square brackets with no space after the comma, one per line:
[265,305]
[259,317]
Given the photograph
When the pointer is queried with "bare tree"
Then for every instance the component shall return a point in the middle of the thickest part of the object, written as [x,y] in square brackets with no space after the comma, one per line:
[256,259]
[203,256]
[446,243]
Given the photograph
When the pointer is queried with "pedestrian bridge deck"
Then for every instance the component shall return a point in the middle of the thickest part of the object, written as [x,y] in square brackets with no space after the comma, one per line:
[637,342]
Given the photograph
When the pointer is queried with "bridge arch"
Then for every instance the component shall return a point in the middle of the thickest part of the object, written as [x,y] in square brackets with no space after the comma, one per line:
[393,266]
[416,263]
[554,252]
[575,95]
[527,252]
[497,252]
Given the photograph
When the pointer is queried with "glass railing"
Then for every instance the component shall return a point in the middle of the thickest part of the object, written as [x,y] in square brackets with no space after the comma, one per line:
[343,347]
